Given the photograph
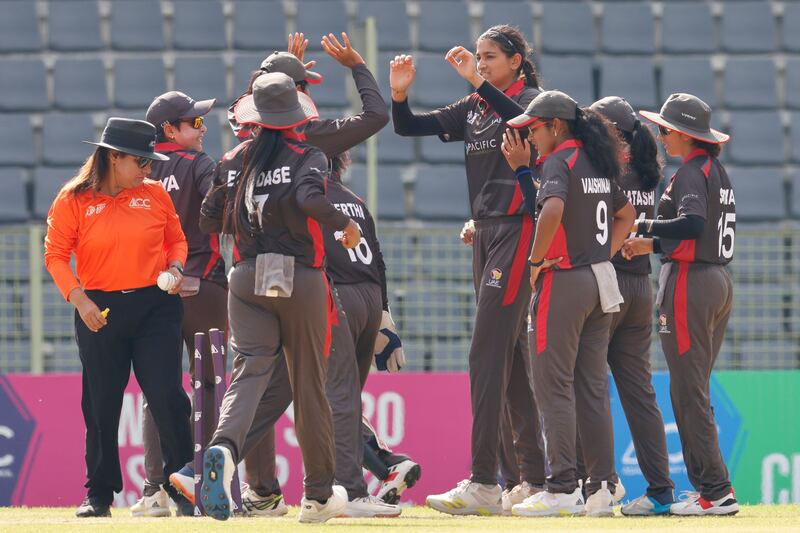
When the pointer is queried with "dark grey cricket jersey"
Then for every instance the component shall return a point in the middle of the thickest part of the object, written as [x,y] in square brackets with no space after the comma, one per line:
[644,203]
[493,188]
[364,263]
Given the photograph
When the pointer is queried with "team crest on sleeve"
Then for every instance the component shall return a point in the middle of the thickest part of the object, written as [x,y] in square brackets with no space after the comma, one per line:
[495,275]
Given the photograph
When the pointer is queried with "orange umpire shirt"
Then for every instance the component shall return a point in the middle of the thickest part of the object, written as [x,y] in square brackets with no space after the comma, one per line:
[120,242]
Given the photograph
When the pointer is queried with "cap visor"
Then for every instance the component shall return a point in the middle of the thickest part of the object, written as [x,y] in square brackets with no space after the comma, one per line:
[200,108]
[246,113]
[139,153]
[711,136]
[522,121]
[314,77]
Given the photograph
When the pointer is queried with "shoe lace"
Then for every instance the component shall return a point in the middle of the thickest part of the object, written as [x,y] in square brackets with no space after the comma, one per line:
[689,496]
[524,486]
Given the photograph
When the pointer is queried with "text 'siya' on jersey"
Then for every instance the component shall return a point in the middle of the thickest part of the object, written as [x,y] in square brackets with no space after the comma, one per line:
[644,203]
[493,188]
[187,177]
[364,263]
[590,201]
[291,205]
[701,187]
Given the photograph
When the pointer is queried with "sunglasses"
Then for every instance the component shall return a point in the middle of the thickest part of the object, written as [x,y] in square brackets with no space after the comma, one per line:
[196,122]
[142,162]
[664,131]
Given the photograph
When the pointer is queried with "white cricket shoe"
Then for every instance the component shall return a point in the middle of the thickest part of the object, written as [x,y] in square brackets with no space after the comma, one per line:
[551,504]
[601,503]
[218,468]
[645,505]
[518,494]
[619,491]
[469,498]
[371,507]
[156,505]
[402,476]
[257,505]
[311,511]
[696,505]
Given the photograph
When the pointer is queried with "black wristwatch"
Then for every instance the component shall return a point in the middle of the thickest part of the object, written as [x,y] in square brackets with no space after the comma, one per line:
[536,264]
[178,268]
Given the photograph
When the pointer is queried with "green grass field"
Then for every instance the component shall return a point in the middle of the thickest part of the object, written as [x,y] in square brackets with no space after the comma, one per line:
[414,519]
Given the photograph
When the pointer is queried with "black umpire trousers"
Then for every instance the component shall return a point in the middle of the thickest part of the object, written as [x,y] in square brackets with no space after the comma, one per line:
[143,331]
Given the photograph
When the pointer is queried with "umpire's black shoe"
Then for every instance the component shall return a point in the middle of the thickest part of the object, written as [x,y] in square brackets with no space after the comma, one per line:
[92,507]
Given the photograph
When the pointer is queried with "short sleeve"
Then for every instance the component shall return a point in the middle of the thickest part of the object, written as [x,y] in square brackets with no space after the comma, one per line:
[690,192]
[555,180]
[618,197]
[453,119]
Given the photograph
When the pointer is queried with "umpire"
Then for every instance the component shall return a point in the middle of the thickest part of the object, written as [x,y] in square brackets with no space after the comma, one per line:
[111,201]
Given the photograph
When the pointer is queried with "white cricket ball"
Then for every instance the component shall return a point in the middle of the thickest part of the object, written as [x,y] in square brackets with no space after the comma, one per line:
[166,281]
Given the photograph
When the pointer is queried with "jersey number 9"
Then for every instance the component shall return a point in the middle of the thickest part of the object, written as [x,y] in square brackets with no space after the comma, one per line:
[602,223]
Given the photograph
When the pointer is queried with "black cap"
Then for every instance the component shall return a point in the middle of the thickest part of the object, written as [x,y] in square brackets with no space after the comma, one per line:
[618,111]
[176,105]
[291,66]
[275,104]
[689,115]
[547,105]
[134,137]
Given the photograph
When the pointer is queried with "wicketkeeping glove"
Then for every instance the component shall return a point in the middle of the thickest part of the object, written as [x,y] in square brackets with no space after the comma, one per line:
[389,354]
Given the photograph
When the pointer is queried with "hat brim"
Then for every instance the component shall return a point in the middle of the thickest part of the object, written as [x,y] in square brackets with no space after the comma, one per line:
[246,113]
[522,121]
[199,108]
[711,136]
[314,78]
[130,151]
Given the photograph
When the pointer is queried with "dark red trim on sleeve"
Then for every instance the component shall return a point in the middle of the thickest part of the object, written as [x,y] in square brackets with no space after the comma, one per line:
[681,308]
[542,310]
[316,236]
[520,261]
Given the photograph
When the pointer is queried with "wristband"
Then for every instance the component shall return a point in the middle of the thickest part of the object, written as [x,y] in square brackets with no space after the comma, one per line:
[178,268]
[536,264]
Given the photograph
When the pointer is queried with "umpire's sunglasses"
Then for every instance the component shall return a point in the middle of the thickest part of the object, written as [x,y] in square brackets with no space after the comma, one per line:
[664,131]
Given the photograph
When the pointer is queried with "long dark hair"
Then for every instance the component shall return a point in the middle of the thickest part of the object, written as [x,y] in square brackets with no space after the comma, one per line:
[339,163]
[713,149]
[511,41]
[601,141]
[91,173]
[258,155]
[644,157]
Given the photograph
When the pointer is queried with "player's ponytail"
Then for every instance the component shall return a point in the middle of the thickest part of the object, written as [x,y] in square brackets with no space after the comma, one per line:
[644,158]
[713,149]
[258,155]
[339,164]
[601,141]
[529,72]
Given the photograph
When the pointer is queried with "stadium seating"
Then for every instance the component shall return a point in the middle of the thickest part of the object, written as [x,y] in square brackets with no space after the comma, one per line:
[572,75]
[748,27]
[23,85]
[332,92]
[685,28]
[756,138]
[61,138]
[13,196]
[628,28]
[791,27]
[695,75]
[80,84]
[391,19]
[47,181]
[391,188]
[445,24]
[19,29]
[259,25]
[74,26]
[517,14]
[393,148]
[317,18]
[16,141]
[792,87]
[201,77]
[440,193]
[794,136]
[199,25]
[795,199]
[137,81]
[136,25]
[437,84]
[435,151]
[568,28]
[760,193]
[633,78]
[750,84]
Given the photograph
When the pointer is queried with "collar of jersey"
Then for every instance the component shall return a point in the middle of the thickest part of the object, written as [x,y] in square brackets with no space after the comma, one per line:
[166,147]
[515,88]
[566,145]
[697,152]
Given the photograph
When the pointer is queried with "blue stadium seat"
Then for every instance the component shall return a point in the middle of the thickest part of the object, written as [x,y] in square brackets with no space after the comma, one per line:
[13,196]
[750,84]
[795,198]
[628,28]
[355,178]
[198,25]
[391,20]
[61,138]
[437,84]
[631,78]
[756,138]
[391,192]
[687,28]
[74,25]
[440,193]
[517,14]
[392,148]
[572,75]
[80,84]
[760,192]
[23,85]
[568,28]
[792,89]
[136,25]
[201,77]
[47,181]
[16,140]
[137,81]
[212,140]
[693,75]
[259,25]
[243,67]
[19,29]
[748,27]
[794,129]
[317,18]
[791,27]
[443,24]
[435,151]
[332,92]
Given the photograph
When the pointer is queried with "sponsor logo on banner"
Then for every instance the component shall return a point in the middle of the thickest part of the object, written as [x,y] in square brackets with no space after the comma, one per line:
[16,432]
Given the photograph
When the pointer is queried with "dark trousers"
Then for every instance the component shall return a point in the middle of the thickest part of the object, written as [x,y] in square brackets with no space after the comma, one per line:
[143,331]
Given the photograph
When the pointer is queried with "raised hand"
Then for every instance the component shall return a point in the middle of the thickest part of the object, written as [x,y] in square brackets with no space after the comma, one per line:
[463,61]
[402,73]
[516,149]
[345,54]
[297,47]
